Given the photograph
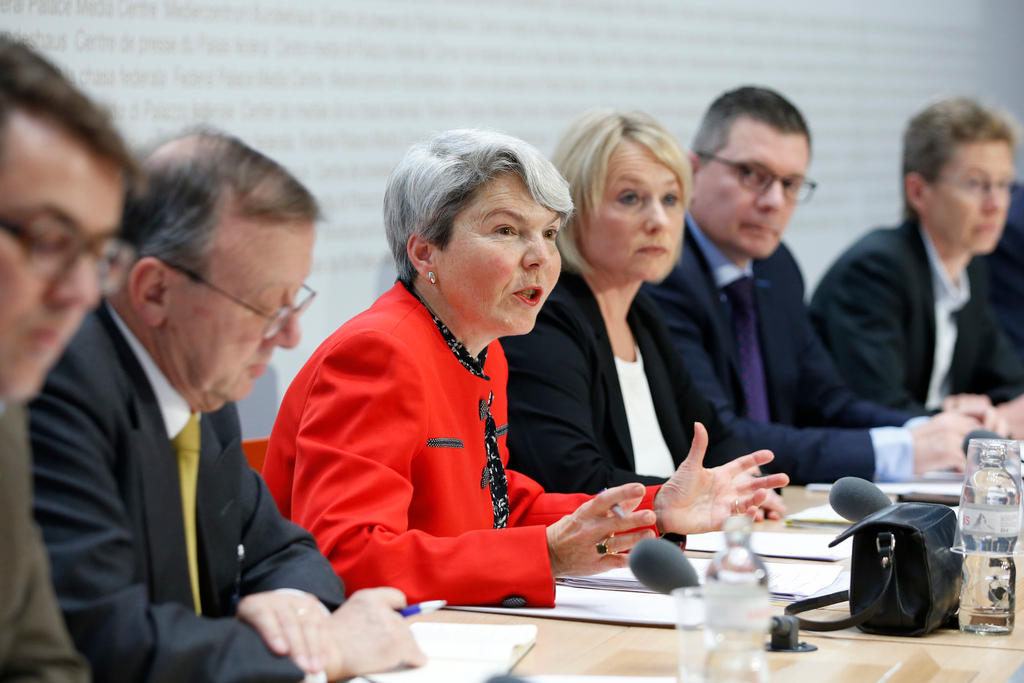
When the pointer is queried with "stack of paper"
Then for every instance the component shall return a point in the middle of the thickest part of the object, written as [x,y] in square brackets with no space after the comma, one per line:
[786,582]
[778,544]
[819,517]
[463,652]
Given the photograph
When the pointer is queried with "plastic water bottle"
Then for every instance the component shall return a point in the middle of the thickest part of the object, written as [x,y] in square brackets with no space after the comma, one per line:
[989,524]
[738,611]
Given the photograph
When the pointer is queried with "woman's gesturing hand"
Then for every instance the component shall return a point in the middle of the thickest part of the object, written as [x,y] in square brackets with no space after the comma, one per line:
[695,499]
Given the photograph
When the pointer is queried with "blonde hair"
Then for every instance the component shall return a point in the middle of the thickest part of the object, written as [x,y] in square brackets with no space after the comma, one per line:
[582,157]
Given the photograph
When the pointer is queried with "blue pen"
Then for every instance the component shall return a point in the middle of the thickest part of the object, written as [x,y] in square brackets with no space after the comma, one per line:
[422,607]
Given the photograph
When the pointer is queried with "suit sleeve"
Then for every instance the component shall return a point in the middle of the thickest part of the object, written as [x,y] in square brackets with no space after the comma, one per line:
[34,644]
[277,553]
[361,426]
[552,435]
[859,308]
[805,454]
[998,371]
[96,563]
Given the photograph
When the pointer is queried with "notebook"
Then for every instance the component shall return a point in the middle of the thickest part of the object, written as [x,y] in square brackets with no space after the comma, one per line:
[463,652]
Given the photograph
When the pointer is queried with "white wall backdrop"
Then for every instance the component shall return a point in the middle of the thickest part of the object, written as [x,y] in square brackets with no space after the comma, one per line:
[338,89]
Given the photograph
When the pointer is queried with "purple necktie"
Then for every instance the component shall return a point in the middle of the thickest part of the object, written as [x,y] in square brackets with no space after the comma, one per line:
[744,325]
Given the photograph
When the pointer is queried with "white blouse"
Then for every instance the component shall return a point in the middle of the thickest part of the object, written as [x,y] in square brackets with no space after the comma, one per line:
[650,452]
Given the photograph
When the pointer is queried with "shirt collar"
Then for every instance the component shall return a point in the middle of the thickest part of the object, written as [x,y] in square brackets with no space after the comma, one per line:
[723,270]
[947,294]
[475,364]
[173,407]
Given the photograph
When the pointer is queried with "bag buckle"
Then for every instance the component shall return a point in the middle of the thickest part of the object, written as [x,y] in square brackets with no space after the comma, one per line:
[885,543]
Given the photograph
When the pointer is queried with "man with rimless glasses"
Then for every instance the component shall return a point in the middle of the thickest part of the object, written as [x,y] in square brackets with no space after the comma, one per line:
[170,558]
[735,308]
[906,311]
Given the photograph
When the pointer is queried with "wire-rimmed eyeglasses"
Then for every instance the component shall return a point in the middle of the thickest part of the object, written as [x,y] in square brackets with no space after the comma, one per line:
[275,321]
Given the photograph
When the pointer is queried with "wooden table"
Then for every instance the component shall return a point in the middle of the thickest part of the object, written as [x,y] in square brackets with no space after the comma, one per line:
[947,656]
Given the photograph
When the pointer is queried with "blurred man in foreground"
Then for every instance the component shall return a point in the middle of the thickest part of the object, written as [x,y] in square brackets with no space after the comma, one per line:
[63,168]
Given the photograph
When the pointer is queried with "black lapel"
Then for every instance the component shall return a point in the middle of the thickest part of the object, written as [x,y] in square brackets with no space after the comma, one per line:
[218,527]
[608,378]
[156,474]
[922,277]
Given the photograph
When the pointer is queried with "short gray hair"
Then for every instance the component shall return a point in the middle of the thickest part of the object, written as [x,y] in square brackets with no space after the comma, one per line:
[193,181]
[437,178]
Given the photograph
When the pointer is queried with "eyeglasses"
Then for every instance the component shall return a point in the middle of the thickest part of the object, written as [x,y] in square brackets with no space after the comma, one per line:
[758,178]
[275,321]
[53,248]
[980,187]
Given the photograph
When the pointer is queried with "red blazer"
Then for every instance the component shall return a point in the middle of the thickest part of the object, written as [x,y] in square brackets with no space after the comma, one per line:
[378,451]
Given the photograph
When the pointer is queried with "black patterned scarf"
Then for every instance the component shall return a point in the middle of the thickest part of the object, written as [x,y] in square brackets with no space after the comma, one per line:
[493,473]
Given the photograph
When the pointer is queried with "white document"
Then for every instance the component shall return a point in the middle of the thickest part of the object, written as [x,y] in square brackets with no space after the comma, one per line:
[463,652]
[778,544]
[786,581]
[601,679]
[818,516]
[655,609]
[935,487]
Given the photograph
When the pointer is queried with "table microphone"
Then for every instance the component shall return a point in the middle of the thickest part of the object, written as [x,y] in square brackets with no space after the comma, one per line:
[855,498]
[979,434]
[661,565]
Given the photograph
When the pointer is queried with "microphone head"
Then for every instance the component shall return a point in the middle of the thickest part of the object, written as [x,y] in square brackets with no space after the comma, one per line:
[855,498]
[661,565]
[979,434]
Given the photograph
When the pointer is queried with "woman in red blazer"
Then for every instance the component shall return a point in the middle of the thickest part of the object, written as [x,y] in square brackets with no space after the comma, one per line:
[390,443]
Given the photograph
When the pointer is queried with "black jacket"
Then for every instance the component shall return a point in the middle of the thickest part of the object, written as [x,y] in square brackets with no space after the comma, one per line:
[108,501]
[567,422]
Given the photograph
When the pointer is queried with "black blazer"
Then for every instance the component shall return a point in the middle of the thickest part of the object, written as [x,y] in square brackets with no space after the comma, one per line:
[567,422]
[1006,272]
[819,427]
[875,311]
[108,502]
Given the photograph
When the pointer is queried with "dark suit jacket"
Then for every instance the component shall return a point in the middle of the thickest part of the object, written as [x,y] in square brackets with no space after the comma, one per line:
[819,427]
[1006,273]
[567,422]
[875,311]
[108,502]
[34,644]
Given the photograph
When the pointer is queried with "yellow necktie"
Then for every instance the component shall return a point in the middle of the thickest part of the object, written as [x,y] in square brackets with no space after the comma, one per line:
[186,443]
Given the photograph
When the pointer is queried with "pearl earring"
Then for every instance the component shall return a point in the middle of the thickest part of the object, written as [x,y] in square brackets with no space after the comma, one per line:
[431,277]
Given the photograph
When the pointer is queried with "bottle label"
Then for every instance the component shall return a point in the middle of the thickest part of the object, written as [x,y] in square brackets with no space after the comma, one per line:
[990,520]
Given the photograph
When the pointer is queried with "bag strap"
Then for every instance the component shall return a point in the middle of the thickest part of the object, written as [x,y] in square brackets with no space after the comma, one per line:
[885,542]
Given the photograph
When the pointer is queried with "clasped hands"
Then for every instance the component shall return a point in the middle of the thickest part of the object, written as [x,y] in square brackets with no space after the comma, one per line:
[693,500]
[365,634]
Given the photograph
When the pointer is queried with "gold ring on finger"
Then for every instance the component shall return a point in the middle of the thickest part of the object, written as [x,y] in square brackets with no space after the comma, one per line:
[602,547]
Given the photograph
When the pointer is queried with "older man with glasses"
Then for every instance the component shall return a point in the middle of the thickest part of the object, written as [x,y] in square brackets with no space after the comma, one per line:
[905,311]
[170,559]
[735,308]
[63,168]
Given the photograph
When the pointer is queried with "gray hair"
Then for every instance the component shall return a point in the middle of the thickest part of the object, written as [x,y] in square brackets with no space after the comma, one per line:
[437,178]
[761,104]
[196,179]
